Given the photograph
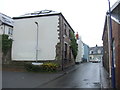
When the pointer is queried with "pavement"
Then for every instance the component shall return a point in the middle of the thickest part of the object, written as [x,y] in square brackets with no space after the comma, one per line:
[104,76]
[32,80]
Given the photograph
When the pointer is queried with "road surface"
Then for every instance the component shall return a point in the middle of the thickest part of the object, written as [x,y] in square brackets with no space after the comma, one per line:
[86,76]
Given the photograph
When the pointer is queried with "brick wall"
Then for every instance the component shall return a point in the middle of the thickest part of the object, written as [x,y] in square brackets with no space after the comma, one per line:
[116,38]
[105,50]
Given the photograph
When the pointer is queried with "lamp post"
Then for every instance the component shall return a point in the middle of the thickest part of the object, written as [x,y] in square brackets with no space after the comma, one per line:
[111,43]
[37,41]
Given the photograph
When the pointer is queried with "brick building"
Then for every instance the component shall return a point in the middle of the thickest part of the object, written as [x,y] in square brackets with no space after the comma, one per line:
[115,15]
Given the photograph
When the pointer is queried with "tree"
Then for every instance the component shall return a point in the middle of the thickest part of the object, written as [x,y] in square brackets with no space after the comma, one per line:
[74,45]
[6,44]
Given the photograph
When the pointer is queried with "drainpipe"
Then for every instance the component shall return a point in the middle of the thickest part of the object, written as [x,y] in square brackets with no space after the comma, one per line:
[112,62]
[109,47]
[37,42]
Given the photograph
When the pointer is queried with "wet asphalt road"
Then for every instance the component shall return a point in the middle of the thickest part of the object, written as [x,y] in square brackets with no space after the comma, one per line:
[86,76]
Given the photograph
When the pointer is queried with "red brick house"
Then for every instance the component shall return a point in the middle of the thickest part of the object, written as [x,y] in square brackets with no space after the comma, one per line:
[115,15]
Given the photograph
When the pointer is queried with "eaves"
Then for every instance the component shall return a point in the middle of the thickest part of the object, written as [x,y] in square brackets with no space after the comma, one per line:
[23,17]
[59,14]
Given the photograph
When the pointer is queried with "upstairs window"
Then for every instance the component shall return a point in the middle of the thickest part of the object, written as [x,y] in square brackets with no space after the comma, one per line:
[65,29]
[10,31]
[69,32]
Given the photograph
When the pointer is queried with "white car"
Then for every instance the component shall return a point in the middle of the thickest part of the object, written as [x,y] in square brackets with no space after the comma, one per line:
[95,60]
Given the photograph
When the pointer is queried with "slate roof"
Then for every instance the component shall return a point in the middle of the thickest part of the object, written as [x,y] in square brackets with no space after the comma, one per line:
[38,14]
[6,19]
[97,50]
[42,12]
[115,11]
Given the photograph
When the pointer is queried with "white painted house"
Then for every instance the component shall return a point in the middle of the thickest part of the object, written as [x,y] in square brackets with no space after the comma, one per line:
[96,53]
[80,51]
[6,25]
[42,36]
[25,38]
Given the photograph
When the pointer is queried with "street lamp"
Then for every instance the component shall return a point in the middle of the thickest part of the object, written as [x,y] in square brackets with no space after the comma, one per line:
[111,41]
[37,41]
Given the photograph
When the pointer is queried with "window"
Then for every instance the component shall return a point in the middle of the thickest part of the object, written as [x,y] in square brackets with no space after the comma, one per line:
[65,51]
[91,52]
[69,32]
[65,29]
[10,31]
[90,57]
[1,27]
[114,53]
[69,53]
[99,51]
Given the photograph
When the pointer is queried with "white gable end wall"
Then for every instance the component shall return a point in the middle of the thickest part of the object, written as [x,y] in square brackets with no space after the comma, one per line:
[25,38]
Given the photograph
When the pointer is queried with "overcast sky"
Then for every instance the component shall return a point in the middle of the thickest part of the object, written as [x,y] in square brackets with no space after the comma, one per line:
[86,17]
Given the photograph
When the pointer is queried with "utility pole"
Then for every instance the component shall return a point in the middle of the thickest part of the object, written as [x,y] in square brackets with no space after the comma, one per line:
[111,42]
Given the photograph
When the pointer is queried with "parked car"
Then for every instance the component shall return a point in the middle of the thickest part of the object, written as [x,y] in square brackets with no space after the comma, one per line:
[95,60]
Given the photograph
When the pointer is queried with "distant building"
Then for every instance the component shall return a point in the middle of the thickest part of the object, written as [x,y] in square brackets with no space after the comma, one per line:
[107,54]
[80,51]
[42,36]
[95,53]
[6,25]
[86,53]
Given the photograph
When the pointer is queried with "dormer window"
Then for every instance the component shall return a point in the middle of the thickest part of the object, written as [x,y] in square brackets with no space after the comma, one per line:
[91,52]
[99,51]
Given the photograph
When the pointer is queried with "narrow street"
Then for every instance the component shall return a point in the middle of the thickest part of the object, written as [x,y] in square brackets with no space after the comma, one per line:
[83,75]
[86,76]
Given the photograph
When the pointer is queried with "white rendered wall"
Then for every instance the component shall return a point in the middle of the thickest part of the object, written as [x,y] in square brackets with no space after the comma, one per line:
[1,31]
[80,51]
[25,38]
[4,29]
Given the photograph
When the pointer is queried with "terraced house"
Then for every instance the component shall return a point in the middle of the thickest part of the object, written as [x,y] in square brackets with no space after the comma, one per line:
[42,36]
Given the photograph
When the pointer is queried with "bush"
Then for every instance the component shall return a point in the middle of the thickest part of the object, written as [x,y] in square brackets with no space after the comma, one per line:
[50,67]
[6,43]
[46,67]
[30,67]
